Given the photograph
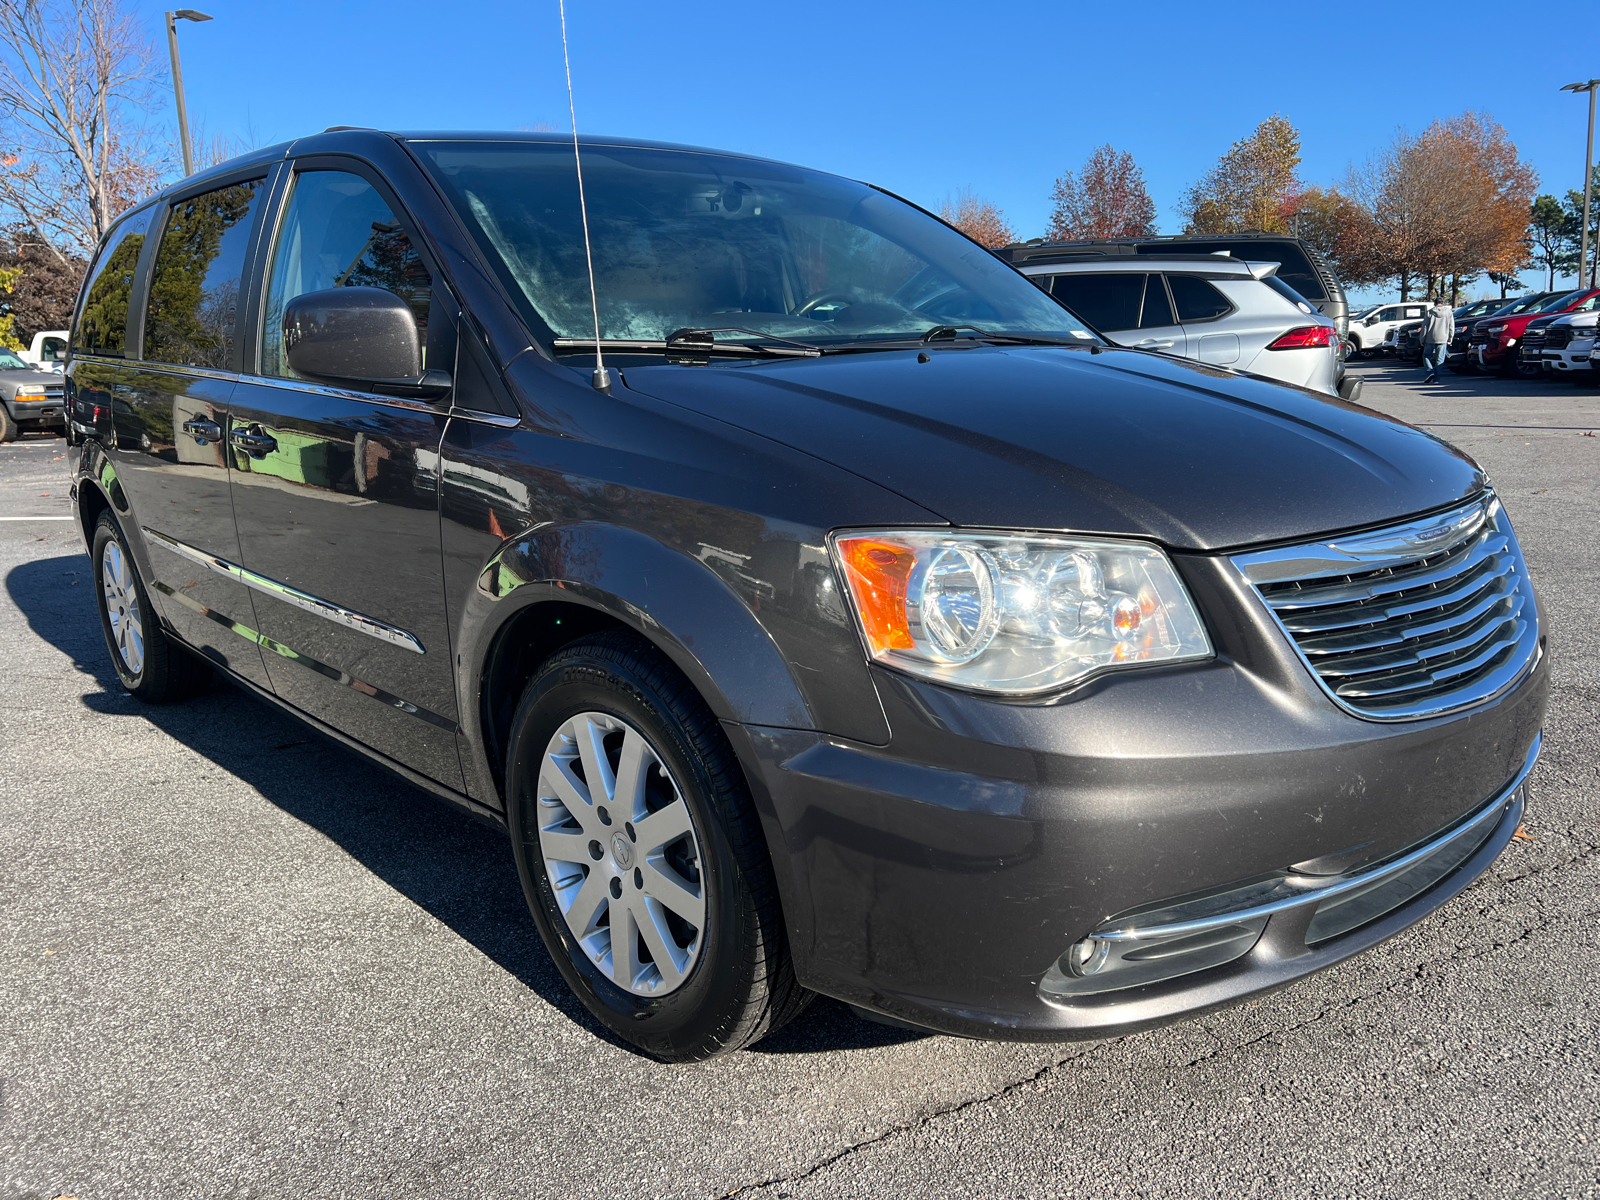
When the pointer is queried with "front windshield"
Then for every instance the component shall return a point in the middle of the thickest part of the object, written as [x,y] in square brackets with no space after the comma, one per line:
[693,240]
[1560,302]
[1521,306]
[10,362]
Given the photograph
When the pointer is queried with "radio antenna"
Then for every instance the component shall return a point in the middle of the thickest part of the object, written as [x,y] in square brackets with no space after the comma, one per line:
[602,377]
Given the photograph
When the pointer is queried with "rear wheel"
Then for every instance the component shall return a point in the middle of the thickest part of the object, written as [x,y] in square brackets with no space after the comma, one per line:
[641,854]
[151,665]
[1352,349]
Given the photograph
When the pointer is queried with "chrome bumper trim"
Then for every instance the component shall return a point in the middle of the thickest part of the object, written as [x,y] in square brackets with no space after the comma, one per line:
[1316,889]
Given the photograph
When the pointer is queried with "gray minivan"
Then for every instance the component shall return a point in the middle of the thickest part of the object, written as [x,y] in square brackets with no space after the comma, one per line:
[815,604]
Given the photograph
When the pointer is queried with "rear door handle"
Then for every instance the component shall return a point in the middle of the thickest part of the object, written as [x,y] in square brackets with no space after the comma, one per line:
[254,441]
[1152,344]
[203,431]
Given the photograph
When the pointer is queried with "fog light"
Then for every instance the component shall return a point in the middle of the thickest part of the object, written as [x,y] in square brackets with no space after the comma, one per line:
[1135,955]
[1088,956]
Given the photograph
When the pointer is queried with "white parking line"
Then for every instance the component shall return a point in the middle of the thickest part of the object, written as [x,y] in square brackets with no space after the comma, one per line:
[37,518]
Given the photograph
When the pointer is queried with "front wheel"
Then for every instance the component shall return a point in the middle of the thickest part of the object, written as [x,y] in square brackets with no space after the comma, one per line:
[8,425]
[1352,349]
[641,854]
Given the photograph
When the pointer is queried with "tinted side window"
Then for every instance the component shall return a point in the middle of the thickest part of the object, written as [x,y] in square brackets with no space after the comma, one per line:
[337,231]
[103,321]
[194,288]
[1157,308]
[1109,302]
[1196,299]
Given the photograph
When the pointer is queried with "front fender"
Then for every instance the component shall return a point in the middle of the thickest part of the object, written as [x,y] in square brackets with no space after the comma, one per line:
[673,600]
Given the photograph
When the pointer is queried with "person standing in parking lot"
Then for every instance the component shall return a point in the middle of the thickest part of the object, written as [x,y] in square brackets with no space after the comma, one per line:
[1438,327]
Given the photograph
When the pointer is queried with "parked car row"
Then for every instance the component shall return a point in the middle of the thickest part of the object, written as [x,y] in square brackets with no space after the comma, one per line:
[1533,336]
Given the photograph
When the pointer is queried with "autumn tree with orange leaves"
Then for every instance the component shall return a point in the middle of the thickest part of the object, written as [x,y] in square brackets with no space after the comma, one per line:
[1105,198]
[1253,186]
[1445,205]
[979,219]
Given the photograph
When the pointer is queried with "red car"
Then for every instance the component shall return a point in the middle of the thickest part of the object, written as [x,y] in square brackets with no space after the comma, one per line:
[1497,341]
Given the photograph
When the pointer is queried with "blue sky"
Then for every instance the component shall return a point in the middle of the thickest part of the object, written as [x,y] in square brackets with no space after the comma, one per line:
[922,99]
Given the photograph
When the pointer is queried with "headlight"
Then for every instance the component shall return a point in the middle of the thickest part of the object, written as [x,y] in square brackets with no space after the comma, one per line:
[1015,614]
[30,389]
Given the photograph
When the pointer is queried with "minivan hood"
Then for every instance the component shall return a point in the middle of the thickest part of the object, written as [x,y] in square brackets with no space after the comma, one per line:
[1121,442]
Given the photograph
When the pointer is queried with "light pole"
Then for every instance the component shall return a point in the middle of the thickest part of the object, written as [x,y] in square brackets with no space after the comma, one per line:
[1588,179]
[183,14]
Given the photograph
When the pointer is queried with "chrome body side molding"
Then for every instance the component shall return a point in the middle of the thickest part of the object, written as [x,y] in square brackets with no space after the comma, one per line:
[327,609]
[306,661]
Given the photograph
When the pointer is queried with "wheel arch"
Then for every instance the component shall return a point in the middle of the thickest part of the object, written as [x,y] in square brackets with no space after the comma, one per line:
[559,582]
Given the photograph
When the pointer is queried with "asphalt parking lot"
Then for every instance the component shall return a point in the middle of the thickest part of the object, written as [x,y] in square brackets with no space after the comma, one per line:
[236,962]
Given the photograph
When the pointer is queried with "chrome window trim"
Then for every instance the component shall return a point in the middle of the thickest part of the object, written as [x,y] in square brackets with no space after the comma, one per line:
[179,369]
[1377,550]
[500,419]
[336,613]
[1316,891]
[320,389]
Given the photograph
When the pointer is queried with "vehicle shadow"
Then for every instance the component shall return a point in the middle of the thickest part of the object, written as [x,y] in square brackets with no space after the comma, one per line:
[447,863]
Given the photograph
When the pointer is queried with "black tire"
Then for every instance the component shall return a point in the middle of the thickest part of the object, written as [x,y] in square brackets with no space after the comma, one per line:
[163,671]
[741,986]
[1352,349]
[8,425]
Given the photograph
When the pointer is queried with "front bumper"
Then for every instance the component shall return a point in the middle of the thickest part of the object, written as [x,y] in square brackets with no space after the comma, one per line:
[939,879]
[48,409]
[1575,358]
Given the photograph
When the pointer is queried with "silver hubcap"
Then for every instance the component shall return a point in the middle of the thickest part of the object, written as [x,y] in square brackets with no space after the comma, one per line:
[122,606]
[622,855]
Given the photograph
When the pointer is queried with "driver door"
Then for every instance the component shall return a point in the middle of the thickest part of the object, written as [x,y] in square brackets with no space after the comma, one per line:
[335,490]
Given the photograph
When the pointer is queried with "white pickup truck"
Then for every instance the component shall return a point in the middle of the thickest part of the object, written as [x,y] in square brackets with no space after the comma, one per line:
[48,352]
[1367,333]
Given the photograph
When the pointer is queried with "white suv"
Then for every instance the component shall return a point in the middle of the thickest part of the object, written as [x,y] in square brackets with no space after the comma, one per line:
[1371,331]
[1569,345]
[1212,307]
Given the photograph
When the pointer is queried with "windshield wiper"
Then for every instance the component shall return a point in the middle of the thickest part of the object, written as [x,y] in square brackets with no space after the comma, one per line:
[940,333]
[703,341]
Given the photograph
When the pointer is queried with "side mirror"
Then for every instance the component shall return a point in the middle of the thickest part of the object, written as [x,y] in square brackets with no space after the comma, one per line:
[361,336]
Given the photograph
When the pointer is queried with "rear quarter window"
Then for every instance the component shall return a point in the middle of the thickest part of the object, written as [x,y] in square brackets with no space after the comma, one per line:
[1197,300]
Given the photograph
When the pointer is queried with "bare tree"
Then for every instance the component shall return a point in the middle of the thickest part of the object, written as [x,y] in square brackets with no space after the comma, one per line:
[979,219]
[75,90]
[1107,198]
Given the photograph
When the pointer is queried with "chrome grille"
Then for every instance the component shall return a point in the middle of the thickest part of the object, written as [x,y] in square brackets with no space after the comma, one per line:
[1408,622]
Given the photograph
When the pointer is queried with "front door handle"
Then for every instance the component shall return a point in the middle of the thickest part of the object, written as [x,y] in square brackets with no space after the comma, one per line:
[254,441]
[203,431]
[1153,344]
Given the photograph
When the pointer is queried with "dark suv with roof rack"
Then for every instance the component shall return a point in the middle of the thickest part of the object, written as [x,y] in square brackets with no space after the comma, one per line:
[1299,264]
